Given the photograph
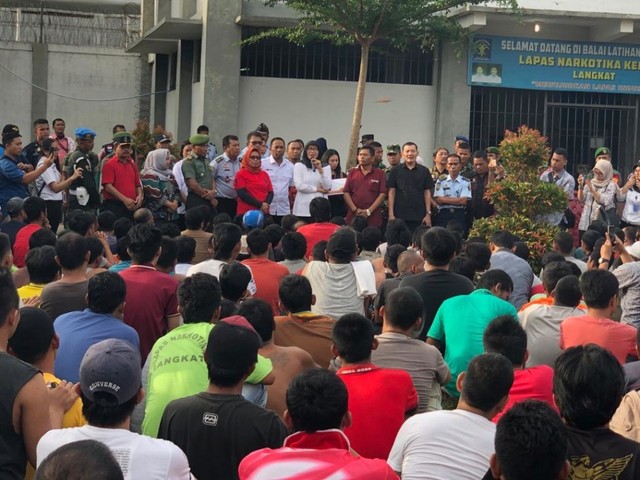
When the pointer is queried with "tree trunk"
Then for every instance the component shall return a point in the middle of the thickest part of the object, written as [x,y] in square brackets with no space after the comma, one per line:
[357,108]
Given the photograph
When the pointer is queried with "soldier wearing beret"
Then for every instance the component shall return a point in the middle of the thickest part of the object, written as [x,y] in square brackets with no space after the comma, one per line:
[83,192]
[197,175]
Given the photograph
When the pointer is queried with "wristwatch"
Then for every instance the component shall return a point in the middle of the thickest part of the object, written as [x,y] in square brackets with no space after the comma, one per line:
[368,213]
[604,260]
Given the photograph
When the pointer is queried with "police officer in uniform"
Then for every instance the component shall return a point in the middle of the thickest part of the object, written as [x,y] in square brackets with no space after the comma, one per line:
[198,177]
[83,192]
[452,195]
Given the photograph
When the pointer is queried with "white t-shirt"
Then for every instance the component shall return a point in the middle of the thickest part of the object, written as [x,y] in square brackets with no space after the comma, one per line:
[213,267]
[50,175]
[443,445]
[139,456]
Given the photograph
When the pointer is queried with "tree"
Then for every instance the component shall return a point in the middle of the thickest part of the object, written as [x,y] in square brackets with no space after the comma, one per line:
[367,23]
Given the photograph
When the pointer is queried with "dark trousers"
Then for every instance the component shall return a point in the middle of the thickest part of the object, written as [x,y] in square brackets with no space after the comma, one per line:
[194,200]
[447,214]
[228,206]
[54,213]
[118,208]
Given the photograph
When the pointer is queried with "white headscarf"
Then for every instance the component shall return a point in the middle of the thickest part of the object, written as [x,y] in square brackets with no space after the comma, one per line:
[607,170]
[156,162]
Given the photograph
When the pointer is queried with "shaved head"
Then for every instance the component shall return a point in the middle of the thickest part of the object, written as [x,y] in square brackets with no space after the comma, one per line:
[408,259]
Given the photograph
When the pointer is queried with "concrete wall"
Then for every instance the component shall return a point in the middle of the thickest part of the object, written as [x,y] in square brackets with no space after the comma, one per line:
[90,72]
[309,109]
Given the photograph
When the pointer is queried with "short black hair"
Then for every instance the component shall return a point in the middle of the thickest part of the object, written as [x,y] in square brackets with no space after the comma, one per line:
[258,242]
[34,207]
[353,337]
[194,218]
[117,127]
[505,335]
[320,210]
[78,461]
[234,280]
[199,296]
[288,221]
[122,248]
[488,380]
[71,250]
[479,254]
[42,237]
[553,273]
[227,139]
[106,220]
[598,226]
[438,246]
[371,238]
[9,299]
[95,248]
[46,144]
[260,315]
[403,307]
[562,151]
[275,233]
[223,377]
[81,222]
[416,236]
[186,249]
[630,233]
[359,223]
[121,227]
[144,242]
[550,257]
[368,148]
[5,245]
[295,293]
[491,278]
[521,249]
[531,442]
[568,292]
[338,220]
[41,264]
[294,246]
[106,291]
[480,154]
[462,266]
[564,240]
[598,287]
[391,257]
[202,128]
[169,229]
[106,416]
[169,252]
[225,238]
[40,121]
[317,400]
[227,308]
[588,385]
[589,238]
[317,252]
[503,239]
[33,336]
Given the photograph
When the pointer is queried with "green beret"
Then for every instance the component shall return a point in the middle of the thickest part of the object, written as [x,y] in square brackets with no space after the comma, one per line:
[495,150]
[602,151]
[122,137]
[199,139]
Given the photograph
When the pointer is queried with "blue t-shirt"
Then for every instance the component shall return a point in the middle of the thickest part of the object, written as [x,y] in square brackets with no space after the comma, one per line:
[11,181]
[78,331]
[118,267]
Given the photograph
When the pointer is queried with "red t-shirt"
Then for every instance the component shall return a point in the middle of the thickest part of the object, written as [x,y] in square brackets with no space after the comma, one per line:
[379,399]
[535,383]
[151,298]
[618,338]
[267,275]
[364,189]
[258,185]
[21,245]
[316,232]
[124,177]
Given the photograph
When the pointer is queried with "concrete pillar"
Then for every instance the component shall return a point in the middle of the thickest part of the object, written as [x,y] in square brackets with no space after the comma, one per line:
[183,86]
[453,95]
[160,84]
[221,67]
[40,69]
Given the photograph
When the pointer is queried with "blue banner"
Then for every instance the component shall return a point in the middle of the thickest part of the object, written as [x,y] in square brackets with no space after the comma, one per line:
[540,64]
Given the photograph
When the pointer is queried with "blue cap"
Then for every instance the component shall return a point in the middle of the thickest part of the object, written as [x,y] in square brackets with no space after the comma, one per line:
[85,133]
[462,138]
[253,219]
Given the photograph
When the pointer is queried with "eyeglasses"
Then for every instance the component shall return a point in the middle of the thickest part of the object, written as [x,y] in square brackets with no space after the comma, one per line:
[254,157]
[257,142]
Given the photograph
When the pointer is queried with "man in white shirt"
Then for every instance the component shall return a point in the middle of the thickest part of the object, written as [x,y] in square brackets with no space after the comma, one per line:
[110,388]
[280,172]
[458,443]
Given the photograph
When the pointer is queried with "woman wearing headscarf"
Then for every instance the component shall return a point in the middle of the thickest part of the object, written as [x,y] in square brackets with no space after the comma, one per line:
[253,184]
[598,195]
[161,192]
[311,180]
[630,194]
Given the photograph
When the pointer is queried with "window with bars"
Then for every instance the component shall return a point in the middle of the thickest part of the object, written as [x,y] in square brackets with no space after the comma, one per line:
[321,60]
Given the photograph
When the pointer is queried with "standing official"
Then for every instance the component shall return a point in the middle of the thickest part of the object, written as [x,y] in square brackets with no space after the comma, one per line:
[452,194]
[280,172]
[197,175]
[365,189]
[224,169]
[83,192]
[121,180]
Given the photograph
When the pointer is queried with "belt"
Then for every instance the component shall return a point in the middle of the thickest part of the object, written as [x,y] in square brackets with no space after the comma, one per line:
[451,210]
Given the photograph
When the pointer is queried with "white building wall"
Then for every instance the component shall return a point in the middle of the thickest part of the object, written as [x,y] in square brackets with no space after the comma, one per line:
[171,124]
[16,94]
[309,109]
[197,108]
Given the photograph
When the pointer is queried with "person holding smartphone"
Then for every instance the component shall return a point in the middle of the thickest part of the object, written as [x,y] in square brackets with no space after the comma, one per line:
[598,196]
[311,180]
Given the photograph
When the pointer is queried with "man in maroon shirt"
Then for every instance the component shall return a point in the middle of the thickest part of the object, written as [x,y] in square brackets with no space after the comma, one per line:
[151,305]
[321,228]
[365,189]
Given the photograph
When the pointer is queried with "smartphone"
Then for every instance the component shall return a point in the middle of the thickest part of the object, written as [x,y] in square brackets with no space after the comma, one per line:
[611,232]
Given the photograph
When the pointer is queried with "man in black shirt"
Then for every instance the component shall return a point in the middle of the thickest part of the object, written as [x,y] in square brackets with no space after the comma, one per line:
[15,212]
[33,152]
[218,428]
[482,177]
[588,386]
[437,283]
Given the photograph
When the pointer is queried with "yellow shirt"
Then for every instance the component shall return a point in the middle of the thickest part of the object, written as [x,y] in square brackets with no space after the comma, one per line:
[30,290]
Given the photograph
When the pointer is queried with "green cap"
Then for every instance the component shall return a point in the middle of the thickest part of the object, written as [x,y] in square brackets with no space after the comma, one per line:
[199,139]
[495,150]
[393,148]
[602,151]
[122,137]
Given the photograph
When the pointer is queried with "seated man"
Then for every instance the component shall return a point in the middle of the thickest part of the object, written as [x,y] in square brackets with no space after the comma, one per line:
[456,444]
[301,327]
[379,398]
[317,412]
[531,444]
[231,354]
[600,292]
[110,379]
[397,348]
[294,248]
[553,272]
[287,362]
[43,269]
[508,338]
[320,228]
[588,386]
[80,460]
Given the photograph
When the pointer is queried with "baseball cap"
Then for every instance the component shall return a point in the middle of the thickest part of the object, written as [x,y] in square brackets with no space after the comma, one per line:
[122,137]
[85,133]
[634,250]
[602,151]
[393,148]
[231,346]
[110,367]
[253,219]
[162,138]
[462,138]
[14,205]
[342,244]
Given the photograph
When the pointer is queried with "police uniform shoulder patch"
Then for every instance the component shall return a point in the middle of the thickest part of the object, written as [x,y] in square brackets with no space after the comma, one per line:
[219,159]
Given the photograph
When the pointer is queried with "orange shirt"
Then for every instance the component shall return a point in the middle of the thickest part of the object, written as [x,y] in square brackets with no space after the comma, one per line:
[267,275]
[548,301]
[618,338]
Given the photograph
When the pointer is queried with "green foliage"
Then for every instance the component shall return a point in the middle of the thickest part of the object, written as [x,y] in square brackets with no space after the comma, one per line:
[143,143]
[528,198]
[524,152]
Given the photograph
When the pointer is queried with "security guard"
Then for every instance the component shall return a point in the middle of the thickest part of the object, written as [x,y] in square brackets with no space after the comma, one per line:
[198,177]
[83,192]
[452,195]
